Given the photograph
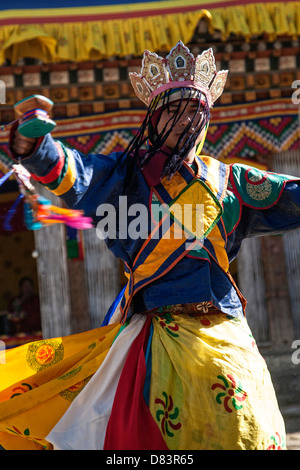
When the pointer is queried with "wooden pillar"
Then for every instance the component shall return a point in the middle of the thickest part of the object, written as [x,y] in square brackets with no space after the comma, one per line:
[252,285]
[53,278]
[277,292]
[102,276]
[289,163]
[74,294]
[78,296]
[291,242]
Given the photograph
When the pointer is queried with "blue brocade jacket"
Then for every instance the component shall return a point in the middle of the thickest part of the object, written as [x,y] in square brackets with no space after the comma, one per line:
[252,203]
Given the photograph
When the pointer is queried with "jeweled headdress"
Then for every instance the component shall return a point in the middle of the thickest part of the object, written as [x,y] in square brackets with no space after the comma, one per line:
[179,69]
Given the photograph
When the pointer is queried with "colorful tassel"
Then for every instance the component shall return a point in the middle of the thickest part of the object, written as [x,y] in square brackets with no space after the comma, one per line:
[49,214]
[39,211]
[29,218]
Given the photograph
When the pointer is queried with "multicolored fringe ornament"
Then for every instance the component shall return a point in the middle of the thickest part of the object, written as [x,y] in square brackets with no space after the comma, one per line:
[39,211]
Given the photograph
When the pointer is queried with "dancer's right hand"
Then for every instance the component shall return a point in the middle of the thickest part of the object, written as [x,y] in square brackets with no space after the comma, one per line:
[22,146]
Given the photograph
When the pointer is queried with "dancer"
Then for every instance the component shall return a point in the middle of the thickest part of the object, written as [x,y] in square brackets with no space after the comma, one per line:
[174,365]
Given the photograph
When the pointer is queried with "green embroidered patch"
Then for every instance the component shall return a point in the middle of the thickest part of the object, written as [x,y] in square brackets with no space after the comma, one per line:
[258,188]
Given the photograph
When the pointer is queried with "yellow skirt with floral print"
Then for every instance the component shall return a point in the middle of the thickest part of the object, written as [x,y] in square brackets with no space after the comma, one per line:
[210,387]
[206,387]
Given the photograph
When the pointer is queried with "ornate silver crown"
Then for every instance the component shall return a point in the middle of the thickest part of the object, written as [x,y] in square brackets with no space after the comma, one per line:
[179,69]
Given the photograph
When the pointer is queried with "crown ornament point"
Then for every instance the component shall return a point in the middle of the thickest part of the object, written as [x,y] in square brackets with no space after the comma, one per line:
[154,70]
[180,63]
[140,87]
[205,67]
[218,84]
[179,69]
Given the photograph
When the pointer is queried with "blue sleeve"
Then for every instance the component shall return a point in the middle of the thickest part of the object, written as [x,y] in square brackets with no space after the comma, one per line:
[83,182]
[279,218]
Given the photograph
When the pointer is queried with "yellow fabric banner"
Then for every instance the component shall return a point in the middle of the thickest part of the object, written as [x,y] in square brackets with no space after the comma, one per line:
[39,381]
[93,33]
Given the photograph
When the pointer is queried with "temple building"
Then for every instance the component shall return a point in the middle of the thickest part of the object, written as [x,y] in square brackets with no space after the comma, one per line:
[80,56]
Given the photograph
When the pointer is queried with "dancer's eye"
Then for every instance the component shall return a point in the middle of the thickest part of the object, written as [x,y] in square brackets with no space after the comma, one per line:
[172,108]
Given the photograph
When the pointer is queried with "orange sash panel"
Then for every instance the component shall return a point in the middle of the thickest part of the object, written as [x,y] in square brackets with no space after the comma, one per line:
[172,238]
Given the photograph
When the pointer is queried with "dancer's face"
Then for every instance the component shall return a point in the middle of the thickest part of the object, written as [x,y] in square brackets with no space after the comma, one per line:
[188,119]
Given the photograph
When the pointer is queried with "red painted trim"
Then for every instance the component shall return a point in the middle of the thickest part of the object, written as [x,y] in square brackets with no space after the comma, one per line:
[125,14]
